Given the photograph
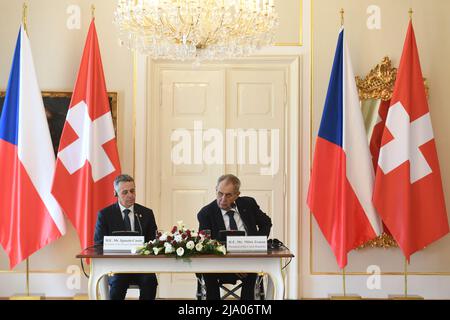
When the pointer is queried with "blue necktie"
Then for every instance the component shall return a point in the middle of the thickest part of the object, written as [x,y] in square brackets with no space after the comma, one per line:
[126,219]
[233,225]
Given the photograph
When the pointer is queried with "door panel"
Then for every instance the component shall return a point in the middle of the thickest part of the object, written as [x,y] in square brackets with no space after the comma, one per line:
[191,101]
[256,106]
[237,115]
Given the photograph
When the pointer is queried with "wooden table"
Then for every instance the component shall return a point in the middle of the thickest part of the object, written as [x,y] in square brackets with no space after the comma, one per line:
[103,264]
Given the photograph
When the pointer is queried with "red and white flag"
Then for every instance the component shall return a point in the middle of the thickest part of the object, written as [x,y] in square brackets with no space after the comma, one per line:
[341,185]
[408,191]
[87,160]
[30,217]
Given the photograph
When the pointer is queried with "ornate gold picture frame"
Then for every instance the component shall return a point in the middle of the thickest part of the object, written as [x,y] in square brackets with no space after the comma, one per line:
[56,105]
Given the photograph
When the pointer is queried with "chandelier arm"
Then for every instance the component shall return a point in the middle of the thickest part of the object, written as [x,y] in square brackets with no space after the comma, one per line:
[180,16]
[215,31]
[234,30]
[189,32]
[149,21]
[250,25]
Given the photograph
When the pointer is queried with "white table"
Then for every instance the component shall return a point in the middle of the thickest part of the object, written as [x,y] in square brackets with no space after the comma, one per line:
[103,264]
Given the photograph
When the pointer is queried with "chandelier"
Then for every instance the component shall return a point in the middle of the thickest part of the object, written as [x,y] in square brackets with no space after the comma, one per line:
[196,29]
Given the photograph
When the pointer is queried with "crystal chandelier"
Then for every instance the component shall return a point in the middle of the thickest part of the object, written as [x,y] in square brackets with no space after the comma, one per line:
[196,29]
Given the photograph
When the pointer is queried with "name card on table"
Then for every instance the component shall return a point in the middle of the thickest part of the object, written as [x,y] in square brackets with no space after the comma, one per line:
[122,243]
[247,244]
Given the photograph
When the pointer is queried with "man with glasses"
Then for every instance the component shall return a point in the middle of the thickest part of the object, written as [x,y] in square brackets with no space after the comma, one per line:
[231,212]
[126,215]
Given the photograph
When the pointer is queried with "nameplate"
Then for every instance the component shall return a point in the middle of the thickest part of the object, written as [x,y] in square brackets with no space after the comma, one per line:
[122,243]
[247,244]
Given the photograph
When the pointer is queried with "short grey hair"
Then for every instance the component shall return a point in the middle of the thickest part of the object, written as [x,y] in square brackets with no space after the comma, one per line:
[122,178]
[230,178]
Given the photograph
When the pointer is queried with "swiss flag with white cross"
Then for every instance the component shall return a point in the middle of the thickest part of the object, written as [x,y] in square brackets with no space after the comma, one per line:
[87,161]
[408,192]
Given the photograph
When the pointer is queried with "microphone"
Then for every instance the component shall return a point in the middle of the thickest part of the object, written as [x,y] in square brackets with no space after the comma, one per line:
[139,222]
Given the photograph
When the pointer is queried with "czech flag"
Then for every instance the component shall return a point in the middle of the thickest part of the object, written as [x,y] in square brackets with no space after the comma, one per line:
[342,177]
[30,217]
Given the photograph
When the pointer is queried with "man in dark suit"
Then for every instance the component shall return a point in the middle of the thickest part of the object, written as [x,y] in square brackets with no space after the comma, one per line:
[231,212]
[126,215]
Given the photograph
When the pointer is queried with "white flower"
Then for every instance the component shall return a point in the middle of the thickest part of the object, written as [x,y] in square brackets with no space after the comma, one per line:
[156,251]
[190,245]
[169,248]
[180,224]
[194,234]
[180,251]
[146,252]
[167,244]
[222,249]
[199,247]
[178,238]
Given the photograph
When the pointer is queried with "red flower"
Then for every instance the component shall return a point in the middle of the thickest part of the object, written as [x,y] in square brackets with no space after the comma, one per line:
[174,229]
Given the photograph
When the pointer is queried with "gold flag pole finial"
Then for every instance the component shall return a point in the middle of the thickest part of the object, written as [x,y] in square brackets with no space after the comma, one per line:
[342,16]
[24,16]
[93,11]
[410,13]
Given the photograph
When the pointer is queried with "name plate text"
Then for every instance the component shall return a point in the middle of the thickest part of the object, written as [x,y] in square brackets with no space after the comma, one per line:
[247,244]
[122,243]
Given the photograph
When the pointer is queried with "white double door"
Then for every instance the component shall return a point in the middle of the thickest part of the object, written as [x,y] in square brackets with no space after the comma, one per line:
[207,122]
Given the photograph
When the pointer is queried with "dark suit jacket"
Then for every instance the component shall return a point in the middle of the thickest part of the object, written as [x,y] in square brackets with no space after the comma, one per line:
[257,223]
[110,219]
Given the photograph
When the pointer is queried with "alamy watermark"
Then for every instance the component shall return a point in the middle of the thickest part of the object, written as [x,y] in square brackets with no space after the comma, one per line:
[237,146]
[374,20]
[73,281]
[74,19]
[374,280]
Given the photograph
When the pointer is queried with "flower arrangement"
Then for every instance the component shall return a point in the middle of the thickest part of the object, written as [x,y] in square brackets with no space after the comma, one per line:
[182,243]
